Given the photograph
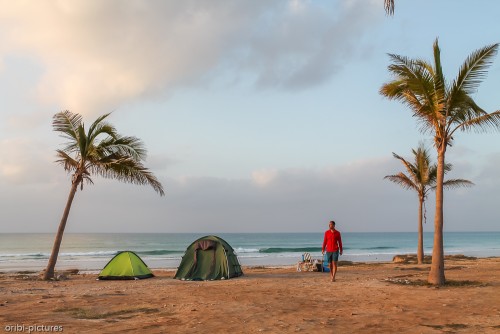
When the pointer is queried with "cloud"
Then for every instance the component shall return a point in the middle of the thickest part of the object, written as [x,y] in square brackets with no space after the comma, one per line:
[159,162]
[99,54]
[274,200]
[490,173]
[264,177]
[25,161]
[27,122]
[475,208]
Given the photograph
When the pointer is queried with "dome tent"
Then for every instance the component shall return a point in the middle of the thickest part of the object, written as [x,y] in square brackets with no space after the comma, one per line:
[209,258]
[125,265]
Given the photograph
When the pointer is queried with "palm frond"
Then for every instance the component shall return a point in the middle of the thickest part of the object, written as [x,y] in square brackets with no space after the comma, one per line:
[422,161]
[440,109]
[447,167]
[463,110]
[403,180]
[124,145]
[432,174]
[127,170]
[414,86]
[68,163]
[416,75]
[421,172]
[67,123]
[87,179]
[439,79]
[473,71]
[97,122]
[113,156]
[410,168]
[389,7]
[481,123]
[398,90]
[82,140]
[457,183]
[101,129]
[72,147]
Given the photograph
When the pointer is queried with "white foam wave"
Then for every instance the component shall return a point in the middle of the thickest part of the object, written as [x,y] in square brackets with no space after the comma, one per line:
[46,255]
[248,256]
[24,255]
[98,253]
[246,250]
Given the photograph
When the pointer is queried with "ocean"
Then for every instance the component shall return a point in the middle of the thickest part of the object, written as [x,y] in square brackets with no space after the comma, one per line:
[91,251]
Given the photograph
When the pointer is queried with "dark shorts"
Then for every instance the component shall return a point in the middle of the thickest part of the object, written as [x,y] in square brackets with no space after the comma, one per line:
[332,256]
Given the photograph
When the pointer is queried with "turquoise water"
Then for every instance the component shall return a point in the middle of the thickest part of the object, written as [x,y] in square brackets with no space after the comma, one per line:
[92,251]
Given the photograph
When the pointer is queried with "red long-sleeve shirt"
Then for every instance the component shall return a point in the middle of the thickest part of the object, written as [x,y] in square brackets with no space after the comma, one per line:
[332,241]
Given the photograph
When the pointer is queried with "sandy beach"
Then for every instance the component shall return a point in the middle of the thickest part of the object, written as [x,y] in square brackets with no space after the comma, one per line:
[366,298]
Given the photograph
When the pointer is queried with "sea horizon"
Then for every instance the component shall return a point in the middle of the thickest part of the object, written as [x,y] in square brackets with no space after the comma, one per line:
[91,251]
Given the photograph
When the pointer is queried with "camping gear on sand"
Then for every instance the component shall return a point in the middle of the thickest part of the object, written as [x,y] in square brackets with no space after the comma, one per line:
[125,265]
[307,263]
[209,258]
[326,264]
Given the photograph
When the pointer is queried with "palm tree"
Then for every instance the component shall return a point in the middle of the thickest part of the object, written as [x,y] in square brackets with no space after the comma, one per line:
[442,108]
[100,151]
[421,177]
[389,6]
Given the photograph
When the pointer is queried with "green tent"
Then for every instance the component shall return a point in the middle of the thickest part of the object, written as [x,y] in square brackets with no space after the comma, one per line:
[125,265]
[209,258]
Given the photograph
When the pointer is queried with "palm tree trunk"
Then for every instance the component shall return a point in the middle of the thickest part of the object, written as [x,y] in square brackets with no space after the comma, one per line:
[420,247]
[436,275]
[49,271]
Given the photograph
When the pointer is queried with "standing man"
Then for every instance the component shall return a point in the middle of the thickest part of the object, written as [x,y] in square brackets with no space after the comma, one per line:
[332,243]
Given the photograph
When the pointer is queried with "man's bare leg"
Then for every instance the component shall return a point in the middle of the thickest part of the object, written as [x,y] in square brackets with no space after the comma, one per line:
[334,270]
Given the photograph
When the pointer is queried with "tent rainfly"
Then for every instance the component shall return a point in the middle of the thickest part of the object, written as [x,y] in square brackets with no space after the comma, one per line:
[125,265]
[209,258]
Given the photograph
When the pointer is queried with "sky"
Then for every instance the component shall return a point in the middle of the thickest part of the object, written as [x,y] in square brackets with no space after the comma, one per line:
[258,116]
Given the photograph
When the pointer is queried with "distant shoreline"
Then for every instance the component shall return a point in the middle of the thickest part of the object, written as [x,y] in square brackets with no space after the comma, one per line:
[410,259]
[91,252]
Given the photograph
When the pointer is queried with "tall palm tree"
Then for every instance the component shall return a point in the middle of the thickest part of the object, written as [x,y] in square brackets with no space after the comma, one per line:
[99,151]
[443,109]
[421,177]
